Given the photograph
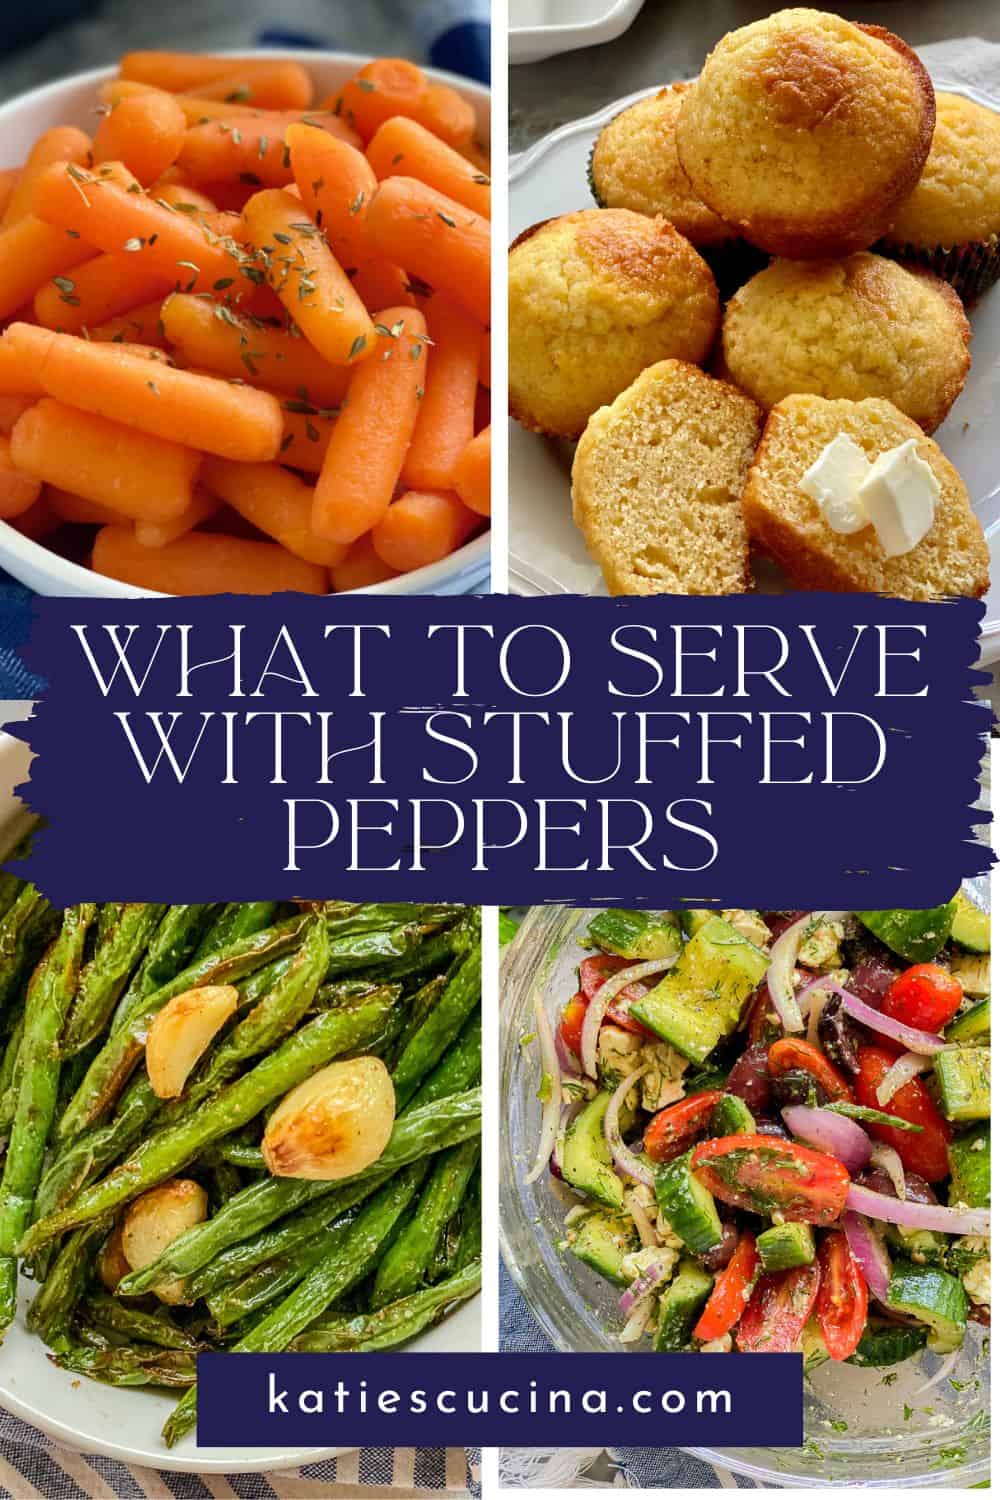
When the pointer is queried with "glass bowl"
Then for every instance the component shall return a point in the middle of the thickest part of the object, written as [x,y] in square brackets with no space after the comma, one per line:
[857,1430]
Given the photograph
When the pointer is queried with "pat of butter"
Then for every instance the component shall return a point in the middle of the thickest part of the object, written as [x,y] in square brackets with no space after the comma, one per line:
[834,480]
[900,495]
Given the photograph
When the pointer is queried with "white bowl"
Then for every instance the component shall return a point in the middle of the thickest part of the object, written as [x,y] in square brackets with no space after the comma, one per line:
[72,101]
[125,1424]
[544,28]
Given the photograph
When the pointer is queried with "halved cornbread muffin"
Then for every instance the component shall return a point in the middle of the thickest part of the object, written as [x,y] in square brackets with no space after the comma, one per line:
[787,522]
[657,480]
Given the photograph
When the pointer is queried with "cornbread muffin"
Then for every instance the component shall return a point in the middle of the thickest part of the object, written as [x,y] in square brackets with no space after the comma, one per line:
[595,297]
[787,523]
[806,132]
[951,220]
[657,480]
[863,326]
[634,165]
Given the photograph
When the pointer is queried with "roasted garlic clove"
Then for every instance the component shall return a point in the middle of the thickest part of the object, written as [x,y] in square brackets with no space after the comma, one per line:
[155,1220]
[334,1124]
[111,1262]
[181,1032]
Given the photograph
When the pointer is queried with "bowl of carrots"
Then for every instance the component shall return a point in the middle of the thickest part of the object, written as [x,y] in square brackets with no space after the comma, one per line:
[245,308]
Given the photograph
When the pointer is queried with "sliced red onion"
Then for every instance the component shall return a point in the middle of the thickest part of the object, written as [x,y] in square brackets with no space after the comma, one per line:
[602,999]
[781,970]
[637,1320]
[568,1061]
[646,1282]
[552,1107]
[817,1128]
[889,1159]
[624,1159]
[869,1251]
[910,1037]
[917,1215]
[906,1066]
[641,1220]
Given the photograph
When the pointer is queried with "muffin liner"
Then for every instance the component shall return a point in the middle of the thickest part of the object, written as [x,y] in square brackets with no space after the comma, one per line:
[971,268]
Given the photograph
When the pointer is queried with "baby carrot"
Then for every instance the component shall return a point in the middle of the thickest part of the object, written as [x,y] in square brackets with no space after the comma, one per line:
[133,473]
[361,568]
[276,502]
[249,148]
[98,290]
[421,528]
[146,132]
[391,86]
[175,405]
[9,178]
[447,115]
[12,407]
[204,562]
[273,85]
[484,359]
[302,270]
[442,242]
[140,325]
[17,378]
[18,491]
[77,511]
[405,148]
[31,253]
[114,219]
[63,144]
[445,421]
[159,533]
[212,337]
[305,439]
[472,474]
[381,284]
[373,431]
[336,184]
[38,520]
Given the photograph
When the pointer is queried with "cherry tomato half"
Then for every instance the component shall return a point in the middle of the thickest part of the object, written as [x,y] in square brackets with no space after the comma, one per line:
[925,996]
[571,1024]
[794,1052]
[594,971]
[763,1174]
[842,1304]
[728,1301]
[671,1132]
[926,1153]
[778,1311]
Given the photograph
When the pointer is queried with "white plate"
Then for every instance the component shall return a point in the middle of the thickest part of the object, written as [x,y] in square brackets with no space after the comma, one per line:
[543,28]
[547,552]
[72,101]
[125,1424]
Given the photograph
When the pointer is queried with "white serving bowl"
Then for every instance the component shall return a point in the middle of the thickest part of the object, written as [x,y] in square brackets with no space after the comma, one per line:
[72,101]
[125,1424]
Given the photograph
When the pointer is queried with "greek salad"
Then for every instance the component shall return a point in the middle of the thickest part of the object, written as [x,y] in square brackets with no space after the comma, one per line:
[772,1129]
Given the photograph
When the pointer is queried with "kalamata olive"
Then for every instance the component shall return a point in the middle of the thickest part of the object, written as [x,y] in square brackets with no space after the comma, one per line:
[837,1035]
[979,1313]
[780,921]
[870,979]
[798,1087]
[720,1256]
[773,1127]
[877,1179]
[750,1081]
[555,1168]
[918,1190]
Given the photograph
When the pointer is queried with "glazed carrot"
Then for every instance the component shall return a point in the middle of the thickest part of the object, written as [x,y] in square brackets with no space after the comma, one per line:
[421,528]
[146,352]
[477,155]
[159,533]
[16,376]
[249,149]
[18,491]
[276,502]
[135,474]
[391,86]
[381,284]
[336,184]
[273,85]
[140,325]
[302,270]
[146,132]
[361,568]
[237,348]
[61,144]
[111,218]
[174,405]
[305,439]
[31,253]
[12,407]
[405,148]
[484,359]
[184,196]
[9,178]
[77,511]
[374,428]
[439,240]
[98,290]
[445,421]
[472,474]
[204,562]
[38,520]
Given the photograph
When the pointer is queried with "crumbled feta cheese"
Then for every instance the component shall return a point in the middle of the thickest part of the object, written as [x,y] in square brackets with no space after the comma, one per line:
[721,1345]
[751,925]
[820,945]
[976,1279]
[662,1081]
[637,1261]
[617,1054]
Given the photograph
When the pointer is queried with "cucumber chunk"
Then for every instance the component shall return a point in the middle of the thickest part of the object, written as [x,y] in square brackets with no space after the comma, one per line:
[586,1156]
[969,1158]
[933,1297]
[887,1344]
[916,935]
[971,1024]
[786,1245]
[637,935]
[602,1242]
[680,1305]
[814,1350]
[701,1000]
[688,1207]
[970,925]
[731,1116]
[963,1079]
